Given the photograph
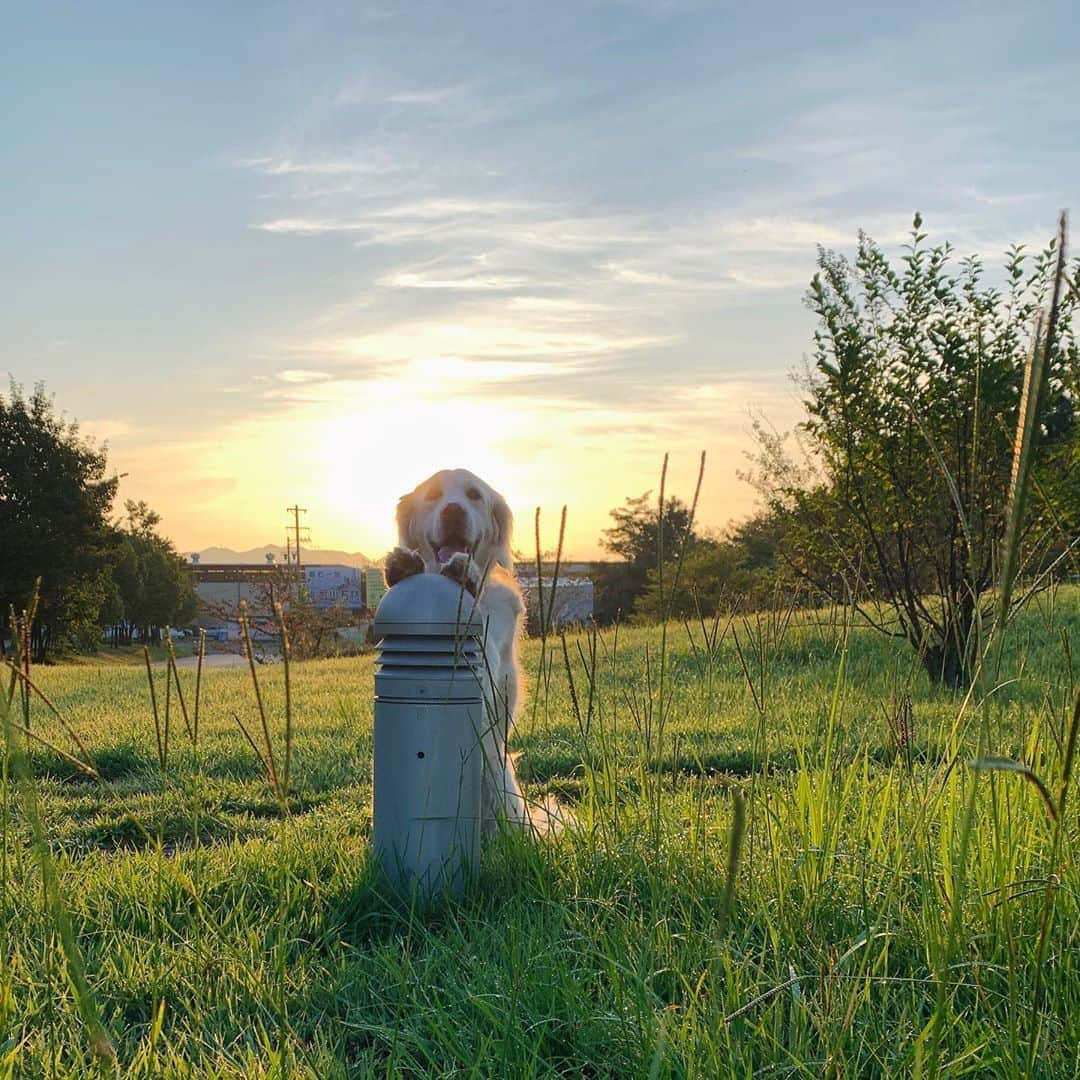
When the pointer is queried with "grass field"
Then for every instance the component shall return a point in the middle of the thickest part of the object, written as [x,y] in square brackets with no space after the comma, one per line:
[893,910]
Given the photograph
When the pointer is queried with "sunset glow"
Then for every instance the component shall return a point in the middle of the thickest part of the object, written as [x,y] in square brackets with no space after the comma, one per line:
[349,449]
[311,258]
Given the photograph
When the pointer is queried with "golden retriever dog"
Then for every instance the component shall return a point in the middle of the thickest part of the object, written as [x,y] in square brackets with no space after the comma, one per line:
[455,524]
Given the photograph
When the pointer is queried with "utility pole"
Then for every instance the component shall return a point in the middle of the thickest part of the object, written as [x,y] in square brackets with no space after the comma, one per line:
[296,511]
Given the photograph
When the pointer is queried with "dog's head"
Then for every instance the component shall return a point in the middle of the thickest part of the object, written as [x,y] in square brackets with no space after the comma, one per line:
[455,511]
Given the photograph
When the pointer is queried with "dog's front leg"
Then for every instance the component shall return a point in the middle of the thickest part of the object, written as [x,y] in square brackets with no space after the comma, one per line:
[402,563]
[461,568]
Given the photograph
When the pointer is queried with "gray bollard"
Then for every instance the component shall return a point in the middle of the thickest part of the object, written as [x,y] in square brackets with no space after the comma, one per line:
[429,711]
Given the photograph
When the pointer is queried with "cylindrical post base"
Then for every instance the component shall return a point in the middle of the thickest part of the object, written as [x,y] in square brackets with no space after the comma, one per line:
[429,713]
[427,779]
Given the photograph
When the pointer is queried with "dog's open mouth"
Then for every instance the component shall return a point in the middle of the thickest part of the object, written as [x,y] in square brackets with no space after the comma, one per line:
[451,546]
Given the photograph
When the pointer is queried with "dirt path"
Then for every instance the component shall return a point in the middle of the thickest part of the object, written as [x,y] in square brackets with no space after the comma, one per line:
[220,660]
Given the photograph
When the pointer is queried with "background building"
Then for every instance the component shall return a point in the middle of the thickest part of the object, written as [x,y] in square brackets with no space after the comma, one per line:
[221,587]
[573,594]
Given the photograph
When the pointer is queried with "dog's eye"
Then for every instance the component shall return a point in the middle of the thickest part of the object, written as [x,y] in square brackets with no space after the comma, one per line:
[474,494]
[432,494]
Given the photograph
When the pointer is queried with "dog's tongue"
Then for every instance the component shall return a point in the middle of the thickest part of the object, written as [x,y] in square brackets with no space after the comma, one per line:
[448,551]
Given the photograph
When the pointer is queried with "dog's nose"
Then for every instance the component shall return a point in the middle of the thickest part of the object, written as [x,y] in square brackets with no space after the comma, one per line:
[453,517]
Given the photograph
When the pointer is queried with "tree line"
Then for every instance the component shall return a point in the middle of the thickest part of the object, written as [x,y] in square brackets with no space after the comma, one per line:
[894,494]
[59,544]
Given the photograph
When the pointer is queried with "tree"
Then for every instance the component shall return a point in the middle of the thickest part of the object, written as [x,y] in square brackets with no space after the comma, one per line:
[153,586]
[760,535]
[738,568]
[714,575]
[912,403]
[55,499]
[635,537]
[312,630]
[141,520]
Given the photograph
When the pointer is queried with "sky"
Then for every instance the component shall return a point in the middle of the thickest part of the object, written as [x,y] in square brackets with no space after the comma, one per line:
[312,252]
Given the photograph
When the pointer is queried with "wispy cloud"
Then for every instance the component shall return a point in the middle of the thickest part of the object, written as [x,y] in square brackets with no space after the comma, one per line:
[464,282]
[297,375]
[310,226]
[433,96]
[370,163]
[489,338]
[545,286]
[461,208]
[366,91]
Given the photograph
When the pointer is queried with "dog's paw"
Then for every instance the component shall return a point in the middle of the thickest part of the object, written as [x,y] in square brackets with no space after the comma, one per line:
[402,563]
[461,568]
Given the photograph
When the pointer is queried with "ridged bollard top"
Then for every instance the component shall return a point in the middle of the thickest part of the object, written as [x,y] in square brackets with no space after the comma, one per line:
[427,605]
[429,648]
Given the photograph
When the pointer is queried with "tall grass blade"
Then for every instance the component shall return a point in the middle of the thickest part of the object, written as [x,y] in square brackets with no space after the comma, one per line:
[271,764]
[286,652]
[555,574]
[162,749]
[1024,445]
[1052,884]
[685,541]
[198,685]
[174,674]
[735,843]
[62,720]
[101,1043]
[992,763]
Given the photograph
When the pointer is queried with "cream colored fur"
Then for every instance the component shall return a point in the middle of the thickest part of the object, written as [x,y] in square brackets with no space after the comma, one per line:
[456,524]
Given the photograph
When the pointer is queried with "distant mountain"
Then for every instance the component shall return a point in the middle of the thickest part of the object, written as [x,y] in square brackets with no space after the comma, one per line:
[307,556]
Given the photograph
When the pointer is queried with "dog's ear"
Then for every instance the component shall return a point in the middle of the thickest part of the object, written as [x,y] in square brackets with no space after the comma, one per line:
[405,515]
[504,531]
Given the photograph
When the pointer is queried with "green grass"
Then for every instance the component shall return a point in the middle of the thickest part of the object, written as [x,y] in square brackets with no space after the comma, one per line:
[221,939]
[125,655]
